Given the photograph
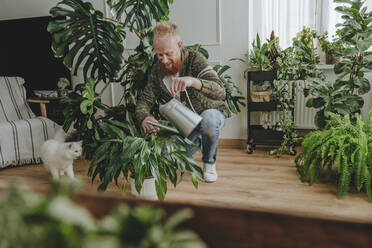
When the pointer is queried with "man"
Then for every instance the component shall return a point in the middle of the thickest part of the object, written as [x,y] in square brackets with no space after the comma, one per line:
[178,70]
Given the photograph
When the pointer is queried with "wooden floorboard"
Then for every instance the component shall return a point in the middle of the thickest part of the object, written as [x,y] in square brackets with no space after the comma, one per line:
[252,182]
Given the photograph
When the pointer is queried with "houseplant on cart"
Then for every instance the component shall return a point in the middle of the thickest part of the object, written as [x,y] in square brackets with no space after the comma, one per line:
[296,62]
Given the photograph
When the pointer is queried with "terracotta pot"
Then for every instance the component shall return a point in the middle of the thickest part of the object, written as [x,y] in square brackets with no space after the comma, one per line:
[332,60]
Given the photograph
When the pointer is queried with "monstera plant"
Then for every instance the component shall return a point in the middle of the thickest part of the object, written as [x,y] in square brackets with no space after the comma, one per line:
[86,38]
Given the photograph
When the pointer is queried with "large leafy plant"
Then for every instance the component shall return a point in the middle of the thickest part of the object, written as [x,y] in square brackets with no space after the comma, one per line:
[126,150]
[344,144]
[96,43]
[29,219]
[345,95]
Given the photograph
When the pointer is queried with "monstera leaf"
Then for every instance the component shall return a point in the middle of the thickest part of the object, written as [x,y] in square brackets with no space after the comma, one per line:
[140,13]
[80,33]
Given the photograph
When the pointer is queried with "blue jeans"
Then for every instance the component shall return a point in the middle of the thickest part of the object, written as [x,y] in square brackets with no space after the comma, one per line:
[206,135]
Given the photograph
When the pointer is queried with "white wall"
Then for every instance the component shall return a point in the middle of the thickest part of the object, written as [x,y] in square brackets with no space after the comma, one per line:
[13,9]
[220,25]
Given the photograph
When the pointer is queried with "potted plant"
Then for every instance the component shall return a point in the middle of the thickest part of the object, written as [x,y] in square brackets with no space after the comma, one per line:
[148,159]
[344,96]
[95,42]
[295,63]
[332,49]
[344,144]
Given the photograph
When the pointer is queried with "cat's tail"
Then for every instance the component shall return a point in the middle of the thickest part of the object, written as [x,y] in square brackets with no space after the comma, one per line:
[60,135]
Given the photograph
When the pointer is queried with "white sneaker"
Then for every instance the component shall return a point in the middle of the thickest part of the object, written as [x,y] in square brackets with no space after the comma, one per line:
[210,173]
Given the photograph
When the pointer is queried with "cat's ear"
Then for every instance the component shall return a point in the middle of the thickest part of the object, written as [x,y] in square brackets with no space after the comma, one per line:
[80,142]
[69,146]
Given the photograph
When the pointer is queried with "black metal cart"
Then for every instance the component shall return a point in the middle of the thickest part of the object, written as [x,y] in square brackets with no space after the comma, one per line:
[257,135]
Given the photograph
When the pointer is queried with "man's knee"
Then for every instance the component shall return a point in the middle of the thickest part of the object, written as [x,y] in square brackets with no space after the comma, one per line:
[212,122]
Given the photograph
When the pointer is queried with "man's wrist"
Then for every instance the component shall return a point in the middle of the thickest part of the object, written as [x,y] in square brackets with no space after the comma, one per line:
[197,84]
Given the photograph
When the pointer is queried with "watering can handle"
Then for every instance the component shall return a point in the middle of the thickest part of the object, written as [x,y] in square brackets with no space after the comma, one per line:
[188,98]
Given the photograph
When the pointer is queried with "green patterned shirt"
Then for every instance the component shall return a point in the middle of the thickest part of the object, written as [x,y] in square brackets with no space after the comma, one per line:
[211,96]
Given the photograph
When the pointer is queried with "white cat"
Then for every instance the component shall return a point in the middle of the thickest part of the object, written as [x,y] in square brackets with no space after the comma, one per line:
[58,156]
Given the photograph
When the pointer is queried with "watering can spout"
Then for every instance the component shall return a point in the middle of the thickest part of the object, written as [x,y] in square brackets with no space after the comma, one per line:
[182,118]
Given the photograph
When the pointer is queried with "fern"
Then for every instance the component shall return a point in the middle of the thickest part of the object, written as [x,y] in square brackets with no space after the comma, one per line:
[345,143]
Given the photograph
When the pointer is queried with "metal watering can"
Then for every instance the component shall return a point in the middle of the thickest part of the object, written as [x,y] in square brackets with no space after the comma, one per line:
[181,117]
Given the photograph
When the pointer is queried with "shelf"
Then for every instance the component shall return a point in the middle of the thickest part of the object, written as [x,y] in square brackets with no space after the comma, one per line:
[262,106]
[259,76]
[325,67]
[259,133]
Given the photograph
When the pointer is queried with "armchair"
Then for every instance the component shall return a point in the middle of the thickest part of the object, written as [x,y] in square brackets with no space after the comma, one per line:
[21,132]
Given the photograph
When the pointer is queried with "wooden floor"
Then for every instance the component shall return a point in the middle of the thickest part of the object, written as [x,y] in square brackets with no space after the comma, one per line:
[253,182]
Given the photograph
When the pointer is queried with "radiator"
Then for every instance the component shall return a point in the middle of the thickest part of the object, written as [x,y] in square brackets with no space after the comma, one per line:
[303,116]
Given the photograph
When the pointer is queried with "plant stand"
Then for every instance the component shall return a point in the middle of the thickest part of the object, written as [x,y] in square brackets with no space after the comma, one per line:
[148,191]
[257,135]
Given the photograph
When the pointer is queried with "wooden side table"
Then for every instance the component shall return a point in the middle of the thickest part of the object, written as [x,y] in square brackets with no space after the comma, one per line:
[42,105]
[50,108]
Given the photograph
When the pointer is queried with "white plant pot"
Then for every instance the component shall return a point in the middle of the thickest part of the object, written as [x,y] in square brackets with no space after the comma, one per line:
[148,191]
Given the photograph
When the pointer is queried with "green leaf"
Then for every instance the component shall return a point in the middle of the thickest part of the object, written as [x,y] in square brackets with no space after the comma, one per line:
[320,119]
[339,68]
[139,14]
[194,180]
[363,45]
[84,28]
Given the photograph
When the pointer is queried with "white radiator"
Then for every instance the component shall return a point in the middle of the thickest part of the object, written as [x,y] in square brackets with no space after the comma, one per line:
[303,116]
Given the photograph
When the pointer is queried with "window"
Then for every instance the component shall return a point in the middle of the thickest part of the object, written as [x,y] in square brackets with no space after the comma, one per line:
[288,17]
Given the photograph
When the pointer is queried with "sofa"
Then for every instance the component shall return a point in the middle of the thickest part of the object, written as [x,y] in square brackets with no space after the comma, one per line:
[21,131]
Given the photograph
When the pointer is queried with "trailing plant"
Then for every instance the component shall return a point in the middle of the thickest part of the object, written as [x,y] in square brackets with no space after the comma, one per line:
[296,63]
[29,219]
[344,144]
[344,96]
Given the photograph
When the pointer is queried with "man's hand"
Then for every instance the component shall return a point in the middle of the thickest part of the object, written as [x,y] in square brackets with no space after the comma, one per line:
[180,84]
[147,127]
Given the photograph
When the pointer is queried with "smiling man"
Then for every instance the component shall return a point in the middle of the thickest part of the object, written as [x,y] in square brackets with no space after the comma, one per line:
[176,71]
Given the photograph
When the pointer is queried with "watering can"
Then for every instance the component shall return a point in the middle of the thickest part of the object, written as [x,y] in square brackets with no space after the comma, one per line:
[181,117]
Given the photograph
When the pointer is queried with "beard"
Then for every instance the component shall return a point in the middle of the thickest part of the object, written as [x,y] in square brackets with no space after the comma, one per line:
[176,67]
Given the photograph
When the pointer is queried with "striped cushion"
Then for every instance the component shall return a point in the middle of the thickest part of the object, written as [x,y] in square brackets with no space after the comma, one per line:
[13,105]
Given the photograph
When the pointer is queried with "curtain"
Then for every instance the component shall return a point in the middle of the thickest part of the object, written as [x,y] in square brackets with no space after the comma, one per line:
[285,17]
[328,17]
